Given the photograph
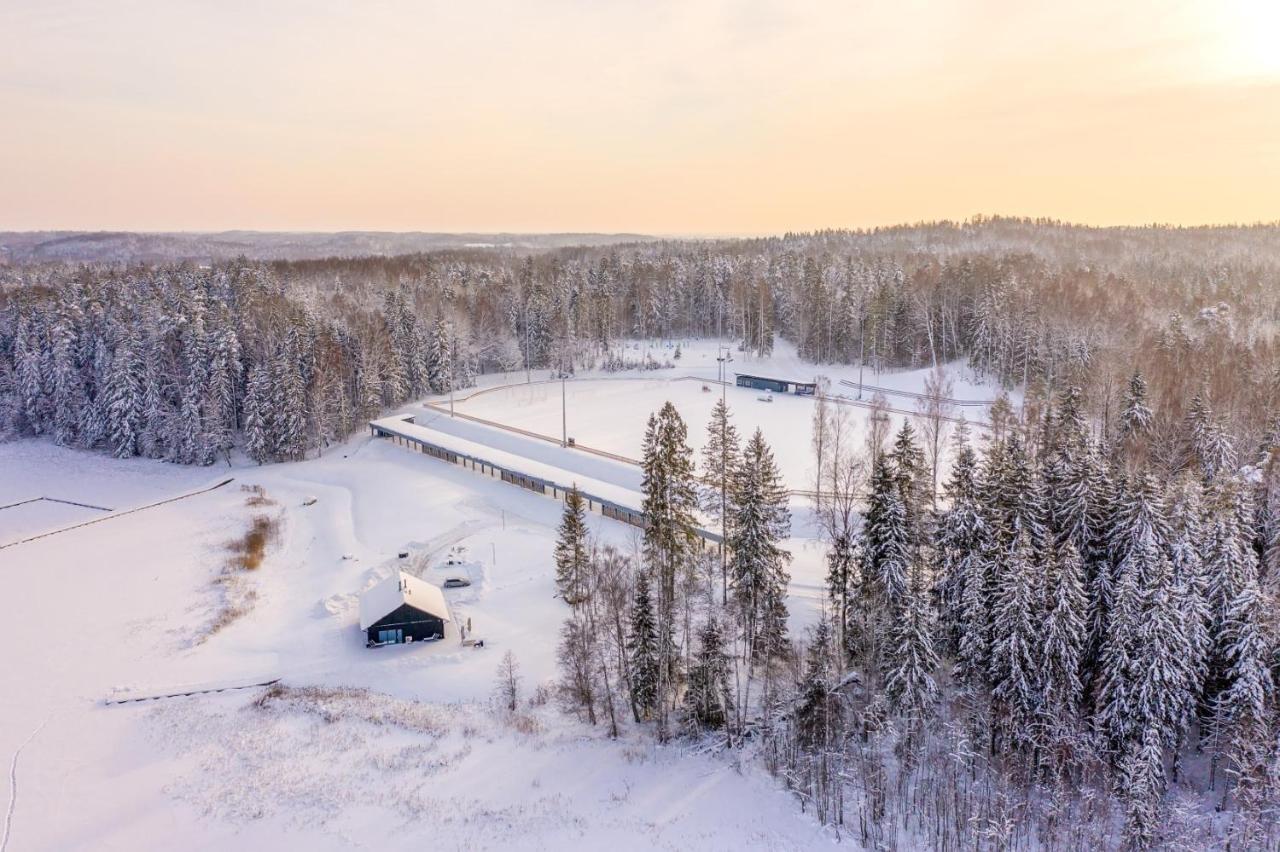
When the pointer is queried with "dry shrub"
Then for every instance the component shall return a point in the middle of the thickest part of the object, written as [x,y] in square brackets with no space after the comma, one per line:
[257,496]
[247,551]
[333,704]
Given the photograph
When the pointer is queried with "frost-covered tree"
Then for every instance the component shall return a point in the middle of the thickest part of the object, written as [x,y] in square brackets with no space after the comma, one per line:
[1135,410]
[721,459]
[1016,640]
[573,552]
[708,697]
[757,563]
[643,651]
[123,395]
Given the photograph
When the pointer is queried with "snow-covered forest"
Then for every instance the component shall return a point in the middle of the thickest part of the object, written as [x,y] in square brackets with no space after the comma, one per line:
[1066,640]
[180,362]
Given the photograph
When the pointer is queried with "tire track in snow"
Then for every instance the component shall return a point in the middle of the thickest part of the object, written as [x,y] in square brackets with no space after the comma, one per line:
[13,785]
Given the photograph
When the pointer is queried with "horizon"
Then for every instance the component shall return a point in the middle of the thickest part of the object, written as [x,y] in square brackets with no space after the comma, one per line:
[699,120]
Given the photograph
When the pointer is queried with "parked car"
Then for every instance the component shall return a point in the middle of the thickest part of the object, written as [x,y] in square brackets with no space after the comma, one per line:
[456,582]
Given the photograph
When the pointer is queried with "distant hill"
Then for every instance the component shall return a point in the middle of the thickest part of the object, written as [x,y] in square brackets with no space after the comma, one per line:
[124,246]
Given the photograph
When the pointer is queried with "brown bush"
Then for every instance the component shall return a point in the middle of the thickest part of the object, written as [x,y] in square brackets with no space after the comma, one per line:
[248,550]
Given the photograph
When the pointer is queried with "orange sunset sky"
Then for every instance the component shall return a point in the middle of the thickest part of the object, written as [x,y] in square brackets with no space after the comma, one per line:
[657,117]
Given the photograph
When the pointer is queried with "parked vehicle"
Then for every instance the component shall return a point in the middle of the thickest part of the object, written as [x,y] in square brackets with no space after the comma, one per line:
[456,582]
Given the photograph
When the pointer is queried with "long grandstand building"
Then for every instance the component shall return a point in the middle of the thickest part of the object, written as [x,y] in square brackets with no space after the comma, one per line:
[402,431]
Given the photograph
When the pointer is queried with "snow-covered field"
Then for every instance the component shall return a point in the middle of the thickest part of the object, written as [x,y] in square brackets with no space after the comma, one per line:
[610,412]
[389,748]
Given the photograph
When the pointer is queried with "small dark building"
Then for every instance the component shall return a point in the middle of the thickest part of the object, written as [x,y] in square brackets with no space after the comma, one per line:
[402,609]
[777,385]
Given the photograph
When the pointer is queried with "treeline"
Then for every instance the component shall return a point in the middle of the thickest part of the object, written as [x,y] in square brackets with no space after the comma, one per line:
[184,364]
[1054,649]
[1036,304]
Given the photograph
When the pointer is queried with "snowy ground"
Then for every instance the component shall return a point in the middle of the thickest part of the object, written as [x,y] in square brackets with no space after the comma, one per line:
[124,607]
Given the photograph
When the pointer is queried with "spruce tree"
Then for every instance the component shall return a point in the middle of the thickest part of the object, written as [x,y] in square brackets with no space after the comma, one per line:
[708,697]
[670,540]
[643,651]
[959,540]
[757,566]
[1016,640]
[1135,412]
[124,399]
[1064,635]
[816,714]
[910,654]
[572,552]
[258,414]
[721,459]
[1242,719]
[886,536]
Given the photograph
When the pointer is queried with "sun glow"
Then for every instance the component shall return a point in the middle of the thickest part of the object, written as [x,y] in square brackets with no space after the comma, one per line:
[1250,37]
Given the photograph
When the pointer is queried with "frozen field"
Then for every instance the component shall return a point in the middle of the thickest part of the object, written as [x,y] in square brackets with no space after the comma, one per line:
[610,412]
[221,771]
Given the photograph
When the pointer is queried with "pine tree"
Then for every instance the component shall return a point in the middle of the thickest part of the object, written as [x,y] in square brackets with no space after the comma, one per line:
[643,651]
[757,566]
[1190,589]
[573,552]
[708,697]
[842,571]
[910,655]
[1123,708]
[1064,635]
[913,478]
[1231,564]
[670,541]
[66,385]
[817,710]
[289,420]
[124,399]
[1142,773]
[959,540]
[721,460]
[1241,716]
[1016,640]
[1135,412]
[1162,687]
[258,415]
[887,538]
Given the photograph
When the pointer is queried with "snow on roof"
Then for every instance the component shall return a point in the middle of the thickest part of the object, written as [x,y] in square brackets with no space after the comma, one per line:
[778,378]
[399,589]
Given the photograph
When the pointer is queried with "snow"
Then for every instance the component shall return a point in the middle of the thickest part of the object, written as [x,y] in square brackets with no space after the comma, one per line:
[610,412]
[397,590]
[337,768]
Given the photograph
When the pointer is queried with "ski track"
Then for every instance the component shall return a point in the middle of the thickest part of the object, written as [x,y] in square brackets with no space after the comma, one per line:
[13,784]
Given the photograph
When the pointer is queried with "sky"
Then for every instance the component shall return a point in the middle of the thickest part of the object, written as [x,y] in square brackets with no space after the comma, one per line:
[683,117]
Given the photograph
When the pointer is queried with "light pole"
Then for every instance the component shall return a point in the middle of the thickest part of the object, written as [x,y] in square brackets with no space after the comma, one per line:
[723,360]
[453,351]
[862,346]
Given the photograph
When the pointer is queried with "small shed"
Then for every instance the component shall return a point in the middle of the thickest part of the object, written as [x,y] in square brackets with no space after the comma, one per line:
[402,609]
[777,385]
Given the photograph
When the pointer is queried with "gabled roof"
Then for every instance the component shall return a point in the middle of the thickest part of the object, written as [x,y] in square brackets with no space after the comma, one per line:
[397,590]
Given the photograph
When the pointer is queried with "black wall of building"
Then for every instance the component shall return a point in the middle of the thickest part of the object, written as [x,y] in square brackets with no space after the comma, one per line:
[416,624]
